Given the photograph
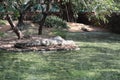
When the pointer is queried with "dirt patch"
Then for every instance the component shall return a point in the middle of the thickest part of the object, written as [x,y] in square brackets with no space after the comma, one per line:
[77,27]
[5,28]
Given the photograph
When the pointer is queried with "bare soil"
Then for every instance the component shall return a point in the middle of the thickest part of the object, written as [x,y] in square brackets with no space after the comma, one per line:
[77,27]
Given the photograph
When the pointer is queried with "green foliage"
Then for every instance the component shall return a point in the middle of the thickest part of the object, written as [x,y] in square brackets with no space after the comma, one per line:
[1,11]
[117,5]
[99,19]
[56,22]
[59,32]
[16,14]
[102,8]
[1,8]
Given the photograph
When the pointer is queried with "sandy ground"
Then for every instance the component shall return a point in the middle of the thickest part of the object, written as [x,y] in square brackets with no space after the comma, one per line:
[78,27]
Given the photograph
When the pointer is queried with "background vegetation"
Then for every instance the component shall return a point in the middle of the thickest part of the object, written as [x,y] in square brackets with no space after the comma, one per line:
[55,22]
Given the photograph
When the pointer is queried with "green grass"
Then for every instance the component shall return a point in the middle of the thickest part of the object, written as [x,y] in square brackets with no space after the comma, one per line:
[97,59]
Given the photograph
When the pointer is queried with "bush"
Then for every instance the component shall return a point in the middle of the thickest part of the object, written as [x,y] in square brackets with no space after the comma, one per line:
[93,18]
[61,33]
[114,22]
[54,21]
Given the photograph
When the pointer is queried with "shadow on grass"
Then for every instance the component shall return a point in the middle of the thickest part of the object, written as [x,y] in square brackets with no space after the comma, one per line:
[94,37]
[102,49]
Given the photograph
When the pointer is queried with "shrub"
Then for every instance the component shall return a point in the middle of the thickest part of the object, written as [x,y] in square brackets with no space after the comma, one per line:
[114,22]
[54,21]
[61,33]
[93,18]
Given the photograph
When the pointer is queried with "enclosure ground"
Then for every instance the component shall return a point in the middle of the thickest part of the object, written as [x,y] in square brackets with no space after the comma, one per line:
[98,59]
[30,32]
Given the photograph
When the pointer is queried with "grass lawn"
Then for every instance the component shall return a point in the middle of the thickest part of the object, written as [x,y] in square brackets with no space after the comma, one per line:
[97,59]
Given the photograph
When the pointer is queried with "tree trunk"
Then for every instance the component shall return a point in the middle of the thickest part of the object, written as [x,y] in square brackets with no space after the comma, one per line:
[41,23]
[15,29]
[70,11]
[67,11]
[20,20]
[9,19]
